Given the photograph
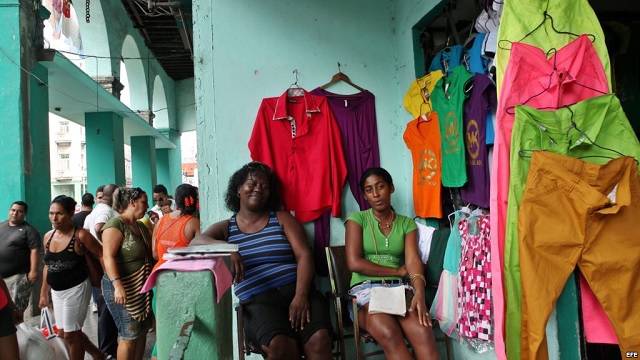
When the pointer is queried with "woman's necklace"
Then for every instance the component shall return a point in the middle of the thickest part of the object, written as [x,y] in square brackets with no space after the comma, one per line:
[385,226]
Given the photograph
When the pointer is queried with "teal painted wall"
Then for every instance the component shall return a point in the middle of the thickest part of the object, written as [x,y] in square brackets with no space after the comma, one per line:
[170,162]
[162,166]
[105,149]
[256,60]
[143,162]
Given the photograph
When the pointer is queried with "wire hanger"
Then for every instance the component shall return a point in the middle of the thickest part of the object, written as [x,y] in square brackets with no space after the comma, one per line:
[585,136]
[294,89]
[426,117]
[340,76]
[545,16]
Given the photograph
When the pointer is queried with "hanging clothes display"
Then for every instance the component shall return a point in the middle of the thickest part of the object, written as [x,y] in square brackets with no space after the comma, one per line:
[599,205]
[298,137]
[422,137]
[531,22]
[572,74]
[474,284]
[477,62]
[603,121]
[447,98]
[417,100]
[476,108]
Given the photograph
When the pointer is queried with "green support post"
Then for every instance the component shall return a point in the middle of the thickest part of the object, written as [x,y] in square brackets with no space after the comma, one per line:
[143,162]
[188,319]
[105,149]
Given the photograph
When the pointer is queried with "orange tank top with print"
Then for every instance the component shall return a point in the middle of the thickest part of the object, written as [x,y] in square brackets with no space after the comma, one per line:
[170,234]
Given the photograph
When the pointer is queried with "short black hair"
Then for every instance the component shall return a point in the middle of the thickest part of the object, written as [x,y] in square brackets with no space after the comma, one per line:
[67,203]
[87,199]
[160,189]
[232,201]
[384,174]
[23,204]
[100,189]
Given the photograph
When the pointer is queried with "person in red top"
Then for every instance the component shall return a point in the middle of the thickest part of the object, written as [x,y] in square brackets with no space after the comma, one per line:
[8,310]
[297,136]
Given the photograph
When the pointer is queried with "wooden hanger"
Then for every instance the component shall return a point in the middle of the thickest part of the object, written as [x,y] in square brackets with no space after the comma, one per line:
[340,76]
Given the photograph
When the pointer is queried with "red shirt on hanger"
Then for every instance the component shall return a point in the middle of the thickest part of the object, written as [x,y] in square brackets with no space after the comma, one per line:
[298,137]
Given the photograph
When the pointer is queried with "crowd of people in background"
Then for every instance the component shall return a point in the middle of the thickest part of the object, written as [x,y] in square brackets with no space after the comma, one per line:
[284,313]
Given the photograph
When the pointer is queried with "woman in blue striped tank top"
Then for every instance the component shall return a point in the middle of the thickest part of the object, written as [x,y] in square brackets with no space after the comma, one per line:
[273,271]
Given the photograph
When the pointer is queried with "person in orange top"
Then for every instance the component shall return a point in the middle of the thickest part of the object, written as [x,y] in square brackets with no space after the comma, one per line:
[175,229]
[180,227]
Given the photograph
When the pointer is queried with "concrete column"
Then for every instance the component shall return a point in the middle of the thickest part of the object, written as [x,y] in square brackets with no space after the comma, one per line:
[14,141]
[143,162]
[170,171]
[105,149]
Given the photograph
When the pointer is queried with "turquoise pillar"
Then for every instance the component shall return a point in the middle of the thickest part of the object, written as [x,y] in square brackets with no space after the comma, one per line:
[38,168]
[172,168]
[162,166]
[13,95]
[212,336]
[143,162]
[105,149]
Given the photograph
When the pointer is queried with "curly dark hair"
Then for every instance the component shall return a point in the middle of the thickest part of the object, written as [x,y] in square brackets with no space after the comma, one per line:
[232,201]
[186,199]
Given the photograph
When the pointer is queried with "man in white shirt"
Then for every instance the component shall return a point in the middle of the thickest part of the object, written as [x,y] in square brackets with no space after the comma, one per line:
[163,203]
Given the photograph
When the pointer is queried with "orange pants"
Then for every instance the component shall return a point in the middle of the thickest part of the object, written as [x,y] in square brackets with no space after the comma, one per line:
[578,213]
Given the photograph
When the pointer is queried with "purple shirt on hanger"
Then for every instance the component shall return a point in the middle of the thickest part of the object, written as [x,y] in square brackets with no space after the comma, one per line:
[476,108]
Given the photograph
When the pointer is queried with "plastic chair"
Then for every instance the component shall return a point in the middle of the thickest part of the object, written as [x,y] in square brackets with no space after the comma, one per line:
[340,277]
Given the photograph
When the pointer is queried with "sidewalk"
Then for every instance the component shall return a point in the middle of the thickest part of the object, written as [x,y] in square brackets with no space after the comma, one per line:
[91,329]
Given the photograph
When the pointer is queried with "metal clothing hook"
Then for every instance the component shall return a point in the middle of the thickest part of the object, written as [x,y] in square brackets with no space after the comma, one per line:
[296,73]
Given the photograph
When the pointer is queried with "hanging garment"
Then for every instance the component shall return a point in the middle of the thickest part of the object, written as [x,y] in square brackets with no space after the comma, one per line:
[474,284]
[477,62]
[476,108]
[356,118]
[520,18]
[297,136]
[603,121]
[573,74]
[423,140]
[417,100]
[447,59]
[578,213]
[447,97]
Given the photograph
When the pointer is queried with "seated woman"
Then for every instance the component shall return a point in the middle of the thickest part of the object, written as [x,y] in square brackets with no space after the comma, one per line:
[283,311]
[393,256]
[66,274]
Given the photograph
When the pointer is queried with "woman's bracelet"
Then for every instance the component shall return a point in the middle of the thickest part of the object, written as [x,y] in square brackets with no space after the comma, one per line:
[114,279]
[418,276]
